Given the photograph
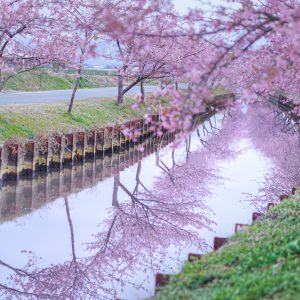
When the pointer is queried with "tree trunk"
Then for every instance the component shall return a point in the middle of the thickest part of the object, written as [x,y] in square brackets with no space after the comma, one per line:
[3,81]
[142,91]
[137,178]
[115,201]
[76,85]
[176,85]
[120,90]
[71,228]
[40,82]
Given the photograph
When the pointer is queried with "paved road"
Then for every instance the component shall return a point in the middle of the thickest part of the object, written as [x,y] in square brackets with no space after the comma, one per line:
[8,98]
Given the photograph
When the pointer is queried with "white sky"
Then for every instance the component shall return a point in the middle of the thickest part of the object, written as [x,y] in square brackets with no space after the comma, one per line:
[183,5]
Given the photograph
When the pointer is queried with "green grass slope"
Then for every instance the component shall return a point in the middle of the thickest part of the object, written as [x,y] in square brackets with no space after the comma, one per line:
[261,262]
[43,80]
[30,121]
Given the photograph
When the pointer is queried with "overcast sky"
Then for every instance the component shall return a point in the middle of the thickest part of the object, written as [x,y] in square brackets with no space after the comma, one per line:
[183,5]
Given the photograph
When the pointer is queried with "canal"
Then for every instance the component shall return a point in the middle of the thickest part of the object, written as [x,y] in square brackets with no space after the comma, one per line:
[104,228]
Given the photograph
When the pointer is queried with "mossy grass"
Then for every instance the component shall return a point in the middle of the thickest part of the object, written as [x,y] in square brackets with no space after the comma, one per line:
[261,262]
[31,121]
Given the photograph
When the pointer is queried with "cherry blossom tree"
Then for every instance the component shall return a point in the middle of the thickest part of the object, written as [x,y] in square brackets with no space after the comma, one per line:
[140,58]
[75,18]
[251,48]
[28,38]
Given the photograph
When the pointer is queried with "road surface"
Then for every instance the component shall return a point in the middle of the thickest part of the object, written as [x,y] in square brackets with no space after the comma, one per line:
[9,98]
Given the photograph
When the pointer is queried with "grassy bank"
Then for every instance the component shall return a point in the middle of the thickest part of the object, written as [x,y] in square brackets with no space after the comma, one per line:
[43,80]
[46,79]
[262,262]
[30,121]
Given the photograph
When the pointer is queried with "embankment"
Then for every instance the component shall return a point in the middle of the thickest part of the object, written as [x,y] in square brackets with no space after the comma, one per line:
[259,262]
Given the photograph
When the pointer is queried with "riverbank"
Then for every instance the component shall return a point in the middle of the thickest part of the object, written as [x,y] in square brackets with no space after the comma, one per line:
[260,262]
[27,121]
[19,122]
[45,80]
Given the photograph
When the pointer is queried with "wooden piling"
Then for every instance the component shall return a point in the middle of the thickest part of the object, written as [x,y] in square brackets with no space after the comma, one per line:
[256,216]
[65,181]
[9,170]
[26,161]
[99,166]
[219,242]
[90,145]
[194,257]
[53,181]
[8,200]
[68,148]
[41,156]
[100,143]
[239,227]
[24,196]
[55,154]
[88,173]
[122,161]
[161,280]
[115,163]
[271,205]
[283,197]
[107,164]
[39,190]
[108,140]
[77,172]
[116,138]
[80,146]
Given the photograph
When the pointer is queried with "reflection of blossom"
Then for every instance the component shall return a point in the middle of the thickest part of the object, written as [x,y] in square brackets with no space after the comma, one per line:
[73,279]
[270,134]
[141,228]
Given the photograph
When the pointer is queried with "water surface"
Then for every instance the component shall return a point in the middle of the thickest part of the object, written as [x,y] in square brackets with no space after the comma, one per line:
[111,236]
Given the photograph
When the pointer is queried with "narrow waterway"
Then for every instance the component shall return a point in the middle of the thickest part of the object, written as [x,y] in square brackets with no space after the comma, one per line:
[108,239]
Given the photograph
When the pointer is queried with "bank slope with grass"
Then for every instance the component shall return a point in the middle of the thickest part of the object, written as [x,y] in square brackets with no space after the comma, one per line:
[261,262]
[19,122]
[45,79]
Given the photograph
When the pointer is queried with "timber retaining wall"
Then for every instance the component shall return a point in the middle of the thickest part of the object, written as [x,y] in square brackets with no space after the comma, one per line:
[34,174]
[26,160]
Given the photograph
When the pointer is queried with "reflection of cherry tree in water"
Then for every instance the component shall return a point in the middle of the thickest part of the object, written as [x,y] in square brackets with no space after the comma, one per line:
[276,136]
[141,229]
[147,222]
[73,279]
[221,138]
